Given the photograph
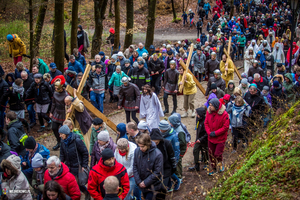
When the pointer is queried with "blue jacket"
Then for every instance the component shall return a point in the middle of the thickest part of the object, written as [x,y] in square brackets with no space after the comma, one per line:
[28,170]
[76,66]
[18,74]
[172,136]
[262,59]
[81,59]
[206,7]
[203,39]
[231,23]
[122,129]
[141,51]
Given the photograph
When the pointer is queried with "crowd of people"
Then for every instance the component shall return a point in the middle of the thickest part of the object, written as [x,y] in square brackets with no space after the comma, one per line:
[146,157]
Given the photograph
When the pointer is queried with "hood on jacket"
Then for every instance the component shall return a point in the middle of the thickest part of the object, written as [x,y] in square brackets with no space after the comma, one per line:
[4,148]
[121,127]
[231,82]
[13,163]
[278,77]
[211,96]
[16,124]
[289,76]
[156,134]
[10,75]
[174,120]
[201,112]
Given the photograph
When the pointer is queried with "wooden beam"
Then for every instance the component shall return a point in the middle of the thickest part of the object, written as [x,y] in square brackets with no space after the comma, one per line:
[91,108]
[80,87]
[228,50]
[187,66]
[235,69]
[195,79]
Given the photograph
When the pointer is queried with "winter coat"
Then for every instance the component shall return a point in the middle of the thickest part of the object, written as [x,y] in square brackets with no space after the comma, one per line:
[98,82]
[129,97]
[219,93]
[189,86]
[36,181]
[228,90]
[148,168]
[86,42]
[81,60]
[76,66]
[94,135]
[100,172]
[253,70]
[18,73]
[4,152]
[256,102]
[170,81]
[26,84]
[116,79]
[56,73]
[15,132]
[220,83]
[165,147]
[127,160]
[127,70]
[230,72]
[17,181]
[242,41]
[3,86]
[28,170]
[278,97]
[182,137]
[66,180]
[201,134]
[42,92]
[96,155]
[68,154]
[43,67]
[16,47]
[172,136]
[237,114]
[211,66]
[15,100]
[127,52]
[58,107]
[263,82]
[157,66]
[291,97]
[140,77]
[219,123]
[198,62]
[141,51]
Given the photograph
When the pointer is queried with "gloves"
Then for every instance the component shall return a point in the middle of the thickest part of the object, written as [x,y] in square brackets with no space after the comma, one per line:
[10,55]
[212,134]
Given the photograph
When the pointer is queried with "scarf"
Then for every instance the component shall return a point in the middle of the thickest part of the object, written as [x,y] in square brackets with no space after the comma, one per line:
[101,148]
[31,154]
[123,154]
[40,176]
[67,141]
[19,90]
[236,111]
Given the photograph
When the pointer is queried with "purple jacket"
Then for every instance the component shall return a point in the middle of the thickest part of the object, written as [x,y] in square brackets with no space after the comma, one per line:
[211,96]
[96,155]
[166,62]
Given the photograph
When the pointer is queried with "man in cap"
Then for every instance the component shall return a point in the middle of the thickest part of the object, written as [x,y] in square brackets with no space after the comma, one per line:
[129,99]
[140,75]
[17,48]
[54,71]
[107,166]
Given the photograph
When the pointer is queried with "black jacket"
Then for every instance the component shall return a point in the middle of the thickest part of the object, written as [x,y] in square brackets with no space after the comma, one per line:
[68,154]
[256,102]
[157,66]
[4,152]
[140,77]
[220,83]
[254,70]
[127,70]
[201,132]
[148,167]
[15,101]
[15,131]
[263,82]
[111,197]
[26,84]
[3,86]
[54,74]
[165,146]
[42,93]
[278,97]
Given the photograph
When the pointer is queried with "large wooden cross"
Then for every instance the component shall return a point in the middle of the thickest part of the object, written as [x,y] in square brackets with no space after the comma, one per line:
[86,103]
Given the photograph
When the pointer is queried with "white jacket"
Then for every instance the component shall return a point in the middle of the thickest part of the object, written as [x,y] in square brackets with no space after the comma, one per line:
[128,163]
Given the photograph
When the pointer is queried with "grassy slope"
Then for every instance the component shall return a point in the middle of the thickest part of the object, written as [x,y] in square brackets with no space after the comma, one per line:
[270,168]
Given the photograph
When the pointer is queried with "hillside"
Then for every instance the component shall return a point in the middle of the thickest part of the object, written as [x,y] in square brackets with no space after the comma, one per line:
[270,167]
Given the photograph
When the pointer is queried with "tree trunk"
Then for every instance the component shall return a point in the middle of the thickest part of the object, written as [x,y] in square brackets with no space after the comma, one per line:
[174,11]
[74,25]
[231,9]
[59,53]
[117,24]
[31,32]
[39,27]
[187,4]
[182,6]
[99,11]
[151,23]
[110,14]
[129,24]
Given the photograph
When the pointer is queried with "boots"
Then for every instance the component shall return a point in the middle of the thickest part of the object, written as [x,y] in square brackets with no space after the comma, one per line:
[174,111]
[57,146]
[195,168]
[42,129]
[166,111]
[193,114]
[49,126]
[184,115]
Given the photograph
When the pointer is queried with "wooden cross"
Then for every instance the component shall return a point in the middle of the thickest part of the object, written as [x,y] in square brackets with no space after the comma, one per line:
[187,66]
[86,103]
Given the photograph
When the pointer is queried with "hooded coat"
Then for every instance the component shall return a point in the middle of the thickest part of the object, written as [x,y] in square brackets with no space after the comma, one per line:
[236,114]
[17,181]
[201,134]
[17,46]
[148,168]
[278,97]
[15,131]
[219,93]
[291,97]
[182,137]
[121,127]
[218,122]
[228,90]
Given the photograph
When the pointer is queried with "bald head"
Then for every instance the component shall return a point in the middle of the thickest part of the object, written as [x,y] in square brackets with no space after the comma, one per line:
[68,100]
[111,185]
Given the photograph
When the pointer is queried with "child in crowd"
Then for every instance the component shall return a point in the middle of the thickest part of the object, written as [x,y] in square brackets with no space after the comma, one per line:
[98,126]
[39,166]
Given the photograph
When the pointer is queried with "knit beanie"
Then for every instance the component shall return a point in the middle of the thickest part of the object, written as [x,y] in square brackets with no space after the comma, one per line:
[143,125]
[213,86]
[244,81]
[164,125]
[107,154]
[215,102]
[64,130]
[103,136]
[37,161]
[15,161]
[276,84]
[266,88]
[30,143]
[97,121]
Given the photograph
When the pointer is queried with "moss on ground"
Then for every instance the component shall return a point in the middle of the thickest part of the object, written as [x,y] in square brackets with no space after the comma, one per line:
[271,165]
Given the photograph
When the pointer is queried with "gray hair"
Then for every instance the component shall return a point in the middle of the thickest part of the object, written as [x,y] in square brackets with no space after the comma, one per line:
[55,160]
[97,56]
[69,98]
[256,75]
[72,57]
[24,73]
[141,43]
[122,143]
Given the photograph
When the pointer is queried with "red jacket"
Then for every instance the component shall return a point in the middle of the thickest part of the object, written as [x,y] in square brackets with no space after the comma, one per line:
[100,172]
[217,122]
[67,181]
[266,31]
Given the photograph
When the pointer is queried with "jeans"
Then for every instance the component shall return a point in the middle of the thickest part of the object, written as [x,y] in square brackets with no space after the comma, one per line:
[184,21]
[241,52]
[132,188]
[97,100]
[137,192]
[31,113]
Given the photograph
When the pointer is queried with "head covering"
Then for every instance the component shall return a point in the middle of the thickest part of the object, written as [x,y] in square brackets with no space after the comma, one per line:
[112,31]
[30,143]
[164,125]
[97,121]
[121,127]
[266,88]
[253,84]
[37,161]
[143,125]
[174,120]
[244,81]
[127,61]
[244,75]
[141,62]
[107,154]
[103,136]
[115,57]
[156,134]
[120,54]
[276,83]
[80,27]
[226,97]
[9,37]
[198,39]
[101,53]
[170,53]
[215,103]
[38,75]
[15,161]
[53,65]
[64,130]
[213,86]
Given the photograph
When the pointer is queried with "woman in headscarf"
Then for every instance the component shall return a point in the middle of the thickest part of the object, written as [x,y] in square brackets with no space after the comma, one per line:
[248,59]
[254,46]
[278,55]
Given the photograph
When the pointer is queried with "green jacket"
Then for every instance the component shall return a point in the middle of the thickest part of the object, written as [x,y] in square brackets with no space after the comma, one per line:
[291,97]
[116,78]
[182,143]
[242,41]
[94,135]
[40,187]
[43,67]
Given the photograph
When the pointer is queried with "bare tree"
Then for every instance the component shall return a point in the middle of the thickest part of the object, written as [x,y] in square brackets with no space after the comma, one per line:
[74,25]
[129,24]
[59,34]
[117,25]
[151,23]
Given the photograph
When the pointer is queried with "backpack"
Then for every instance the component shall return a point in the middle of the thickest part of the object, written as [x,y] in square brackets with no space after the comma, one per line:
[187,134]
